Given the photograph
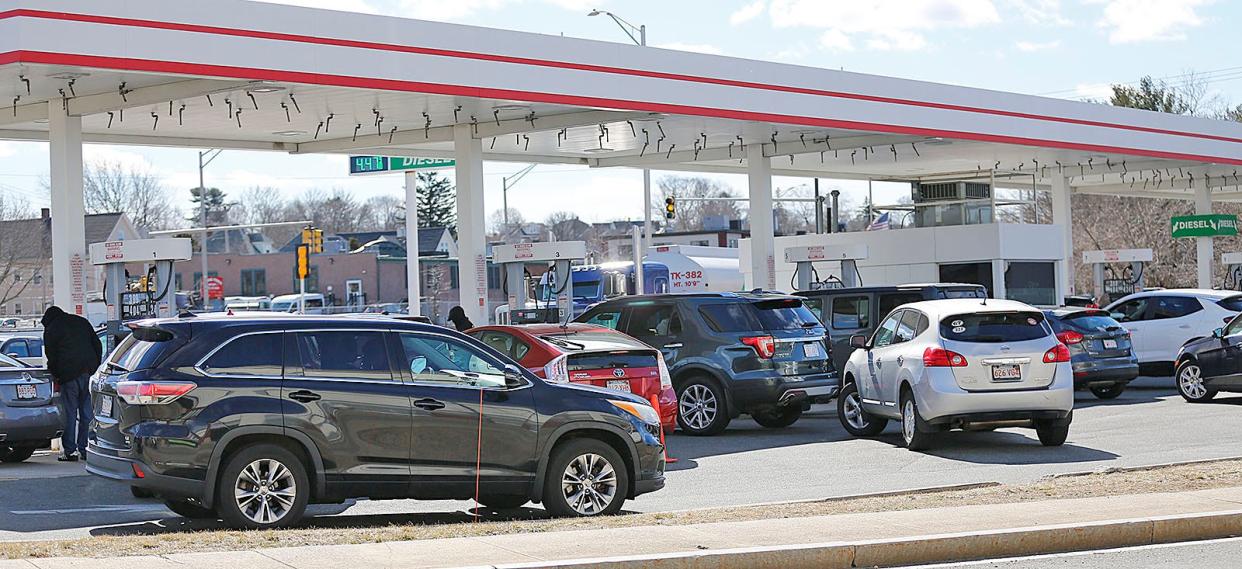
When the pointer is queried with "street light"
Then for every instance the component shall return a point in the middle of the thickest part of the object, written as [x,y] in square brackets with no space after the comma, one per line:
[205,158]
[642,41]
[506,183]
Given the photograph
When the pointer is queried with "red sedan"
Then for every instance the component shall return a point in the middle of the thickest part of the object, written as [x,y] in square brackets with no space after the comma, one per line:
[584,353]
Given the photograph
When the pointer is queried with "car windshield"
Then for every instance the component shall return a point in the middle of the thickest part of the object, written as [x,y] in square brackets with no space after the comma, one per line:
[586,289]
[6,361]
[1232,303]
[994,327]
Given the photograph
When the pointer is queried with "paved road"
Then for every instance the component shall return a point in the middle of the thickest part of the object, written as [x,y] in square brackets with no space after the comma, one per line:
[747,464]
[1216,554]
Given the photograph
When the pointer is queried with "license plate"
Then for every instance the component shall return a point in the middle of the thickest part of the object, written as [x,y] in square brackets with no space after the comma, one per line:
[1006,373]
[27,392]
[619,385]
[1110,344]
[105,406]
[812,350]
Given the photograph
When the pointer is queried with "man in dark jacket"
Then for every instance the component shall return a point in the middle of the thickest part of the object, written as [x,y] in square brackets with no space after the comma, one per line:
[457,316]
[73,353]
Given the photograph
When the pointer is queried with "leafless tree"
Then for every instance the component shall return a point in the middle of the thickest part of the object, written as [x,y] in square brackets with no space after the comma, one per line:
[109,187]
[21,248]
[496,222]
[334,212]
[690,212]
[563,226]
[387,212]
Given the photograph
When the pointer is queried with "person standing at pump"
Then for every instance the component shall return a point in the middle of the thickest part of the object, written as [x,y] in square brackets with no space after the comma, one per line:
[73,353]
[457,315]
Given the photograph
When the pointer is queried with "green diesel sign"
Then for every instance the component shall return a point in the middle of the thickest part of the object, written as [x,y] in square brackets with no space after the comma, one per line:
[1209,225]
[378,164]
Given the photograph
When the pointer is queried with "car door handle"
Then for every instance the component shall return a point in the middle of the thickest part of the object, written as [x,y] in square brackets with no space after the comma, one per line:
[672,346]
[428,404]
[304,396]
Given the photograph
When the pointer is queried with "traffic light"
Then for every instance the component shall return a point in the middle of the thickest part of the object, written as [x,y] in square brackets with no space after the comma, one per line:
[670,207]
[303,261]
[312,237]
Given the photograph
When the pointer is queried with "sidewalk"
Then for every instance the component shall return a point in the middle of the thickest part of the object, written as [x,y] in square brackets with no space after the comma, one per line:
[866,539]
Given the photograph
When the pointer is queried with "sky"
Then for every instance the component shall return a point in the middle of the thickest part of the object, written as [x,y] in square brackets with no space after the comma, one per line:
[1072,49]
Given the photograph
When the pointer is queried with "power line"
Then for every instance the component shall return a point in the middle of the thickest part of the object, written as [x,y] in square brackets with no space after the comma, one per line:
[1206,77]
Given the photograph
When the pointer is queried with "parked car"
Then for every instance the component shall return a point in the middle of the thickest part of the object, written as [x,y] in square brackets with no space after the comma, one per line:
[250,418]
[857,310]
[1100,352]
[758,353]
[29,414]
[26,347]
[946,364]
[1081,300]
[589,355]
[289,303]
[1161,321]
[1209,365]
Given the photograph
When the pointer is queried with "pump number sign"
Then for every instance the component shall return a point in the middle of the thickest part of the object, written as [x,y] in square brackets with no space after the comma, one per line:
[1210,225]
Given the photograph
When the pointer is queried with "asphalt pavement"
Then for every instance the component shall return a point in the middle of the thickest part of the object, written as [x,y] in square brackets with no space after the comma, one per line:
[815,458]
[1214,554]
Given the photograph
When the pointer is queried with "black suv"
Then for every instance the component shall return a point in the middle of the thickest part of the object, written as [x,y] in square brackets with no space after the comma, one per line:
[249,419]
[852,311]
[730,353]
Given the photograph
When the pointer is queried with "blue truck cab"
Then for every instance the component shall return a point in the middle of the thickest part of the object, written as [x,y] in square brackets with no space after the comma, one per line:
[593,284]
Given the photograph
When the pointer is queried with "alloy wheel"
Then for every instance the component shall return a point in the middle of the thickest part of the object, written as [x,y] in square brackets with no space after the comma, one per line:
[1191,382]
[698,406]
[907,419]
[853,411]
[589,484]
[265,491]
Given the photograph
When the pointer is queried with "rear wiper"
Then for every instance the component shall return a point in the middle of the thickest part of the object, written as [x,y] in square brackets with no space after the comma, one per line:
[118,367]
[810,324]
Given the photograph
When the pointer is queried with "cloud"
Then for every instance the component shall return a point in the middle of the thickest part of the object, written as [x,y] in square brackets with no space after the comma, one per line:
[1133,21]
[747,13]
[885,24]
[1093,91]
[1029,46]
[1040,11]
[695,47]
[835,40]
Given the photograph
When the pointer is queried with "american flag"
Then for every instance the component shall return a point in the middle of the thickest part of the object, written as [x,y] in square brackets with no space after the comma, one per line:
[879,223]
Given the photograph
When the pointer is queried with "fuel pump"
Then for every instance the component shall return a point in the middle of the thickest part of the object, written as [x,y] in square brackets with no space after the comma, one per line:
[155,295]
[513,259]
[1233,271]
[1117,272]
[807,278]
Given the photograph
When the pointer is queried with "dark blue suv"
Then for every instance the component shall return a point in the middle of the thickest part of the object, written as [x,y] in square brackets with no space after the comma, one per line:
[758,353]
[249,419]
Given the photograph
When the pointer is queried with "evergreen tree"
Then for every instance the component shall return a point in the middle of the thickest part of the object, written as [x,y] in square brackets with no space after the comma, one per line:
[437,201]
[217,208]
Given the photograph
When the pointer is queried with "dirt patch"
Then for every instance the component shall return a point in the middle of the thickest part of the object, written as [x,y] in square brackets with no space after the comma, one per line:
[1161,479]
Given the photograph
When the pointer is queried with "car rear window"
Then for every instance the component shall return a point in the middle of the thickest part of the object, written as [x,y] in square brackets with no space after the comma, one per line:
[779,314]
[994,327]
[963,293]
[134,354]
[1090,321]
[1233,303]
[610,360]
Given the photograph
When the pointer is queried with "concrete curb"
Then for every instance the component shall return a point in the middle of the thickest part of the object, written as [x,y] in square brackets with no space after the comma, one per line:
[942,548]
[847,497]
[1116,469]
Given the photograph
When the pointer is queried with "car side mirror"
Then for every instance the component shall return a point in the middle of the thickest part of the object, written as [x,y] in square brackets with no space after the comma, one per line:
[1218,333]
[513,376]
[858,341]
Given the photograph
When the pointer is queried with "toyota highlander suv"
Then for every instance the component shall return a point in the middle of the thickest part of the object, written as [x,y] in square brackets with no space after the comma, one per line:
[758,353]
[250,418]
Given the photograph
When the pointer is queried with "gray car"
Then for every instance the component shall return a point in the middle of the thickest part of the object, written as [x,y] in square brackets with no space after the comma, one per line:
[29,415]
[943,364]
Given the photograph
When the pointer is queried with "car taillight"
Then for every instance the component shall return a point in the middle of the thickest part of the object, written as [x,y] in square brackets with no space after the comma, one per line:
[1069,337]
[666,380]
[765,346]
[557,370]
[1057,355]
[1092,305]
[152,392]
[940,357]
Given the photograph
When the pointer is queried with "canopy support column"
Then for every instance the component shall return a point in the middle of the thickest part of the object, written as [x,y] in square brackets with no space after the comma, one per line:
[1203,245]
[67,209]
[413,275]
[471,227]
[1062,215]
[762,232]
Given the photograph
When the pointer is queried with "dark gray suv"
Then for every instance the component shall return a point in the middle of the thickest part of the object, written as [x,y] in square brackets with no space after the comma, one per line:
[759,353]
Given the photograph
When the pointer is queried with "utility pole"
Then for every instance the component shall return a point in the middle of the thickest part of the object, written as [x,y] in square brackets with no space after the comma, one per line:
[205,157]
[506,183]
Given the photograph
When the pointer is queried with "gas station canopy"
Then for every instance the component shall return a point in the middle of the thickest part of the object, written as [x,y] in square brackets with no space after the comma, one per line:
[245,75]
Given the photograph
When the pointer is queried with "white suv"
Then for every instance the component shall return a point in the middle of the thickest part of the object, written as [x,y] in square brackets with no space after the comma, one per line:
[1161,321]
[965,363]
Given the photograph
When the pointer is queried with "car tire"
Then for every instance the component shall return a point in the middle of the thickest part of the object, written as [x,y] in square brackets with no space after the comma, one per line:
[263,486]
[503,501]
[778,417]
[189,510]
[916,434]
[576,460]
[16,454]
[1189,380]
[1053,433]
[701,409]
[853,418]
[1108,391]
[138,492]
